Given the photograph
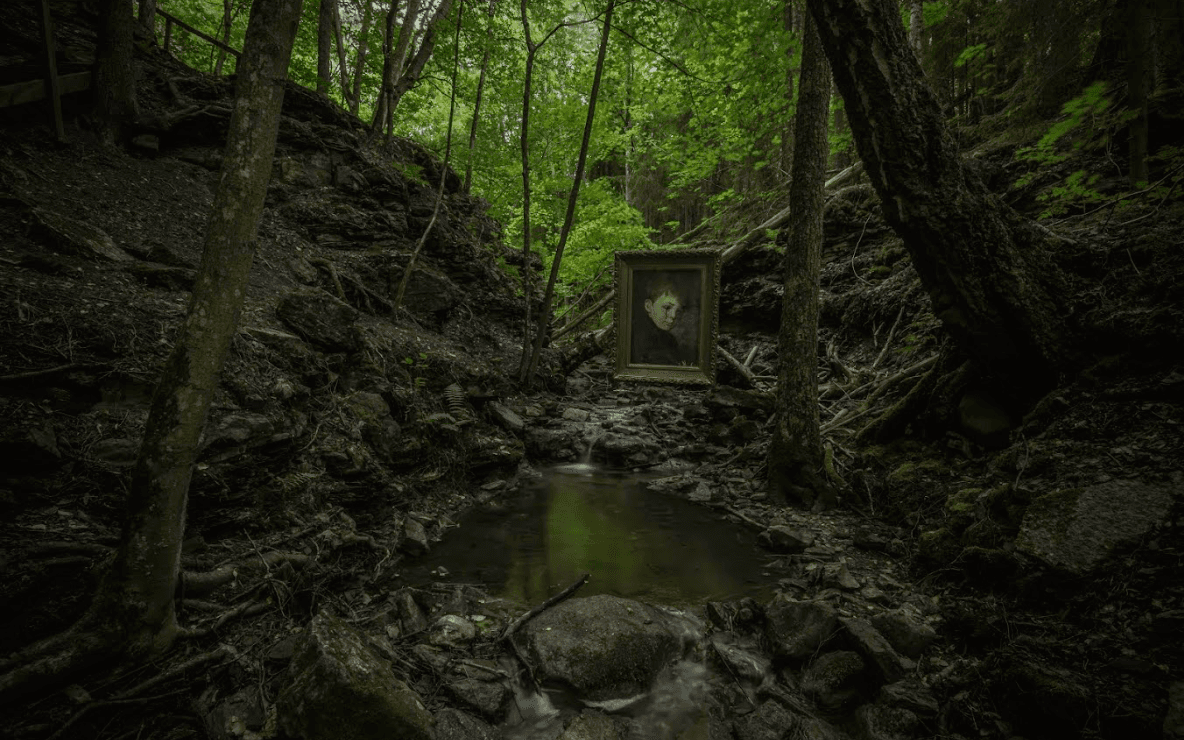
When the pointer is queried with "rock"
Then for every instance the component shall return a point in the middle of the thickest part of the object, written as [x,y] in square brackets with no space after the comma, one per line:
[487,697]
[878,722]
[238,714]
[452,631]
[770,721]
[1173,723]
[691,488]
[736,661]
[782,539]
[868,641]
[238,430]
[415,538]
[506,418]
[910,694]
[907,634]
[1077,529]
[119,451]
[320,319]
[67,235]
[147,142]
[604,647]
[339,688]
[349,179]
[428,292]
[725,403]
[410,615]
[837,575]
[797,629]
[453,724]
[571,413]
[834,679]
[589,726]
[162,276]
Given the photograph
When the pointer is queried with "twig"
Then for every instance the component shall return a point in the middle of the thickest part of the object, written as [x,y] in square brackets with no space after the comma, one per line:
[751,355]
[39,373]
[856,251]
[751,522]
[509,633]
[888,341]
[565,593]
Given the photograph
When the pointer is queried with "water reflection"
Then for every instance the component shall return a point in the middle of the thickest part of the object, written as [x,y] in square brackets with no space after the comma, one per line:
[635,544]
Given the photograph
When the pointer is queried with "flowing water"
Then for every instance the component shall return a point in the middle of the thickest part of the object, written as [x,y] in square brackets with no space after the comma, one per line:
[577,519]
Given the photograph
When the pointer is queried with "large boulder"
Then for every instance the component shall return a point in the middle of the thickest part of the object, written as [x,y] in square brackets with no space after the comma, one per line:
[340,688]
[604,647]
[1076,529]
[797,629]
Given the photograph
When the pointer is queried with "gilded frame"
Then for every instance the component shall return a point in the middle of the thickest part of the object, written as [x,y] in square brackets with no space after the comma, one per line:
[685,352]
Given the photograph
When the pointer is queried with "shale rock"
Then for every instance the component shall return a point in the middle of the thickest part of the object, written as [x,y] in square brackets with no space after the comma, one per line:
[339,688]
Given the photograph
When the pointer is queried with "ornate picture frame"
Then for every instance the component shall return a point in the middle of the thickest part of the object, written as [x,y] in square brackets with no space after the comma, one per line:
[666,317]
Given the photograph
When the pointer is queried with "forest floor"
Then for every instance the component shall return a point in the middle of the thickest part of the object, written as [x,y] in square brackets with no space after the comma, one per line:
[342,448]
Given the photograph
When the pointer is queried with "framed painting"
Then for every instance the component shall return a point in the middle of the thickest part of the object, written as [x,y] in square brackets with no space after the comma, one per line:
[667,315]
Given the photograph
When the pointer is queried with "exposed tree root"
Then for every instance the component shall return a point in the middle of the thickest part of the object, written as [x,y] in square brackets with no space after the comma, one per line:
[132,695]
[200,584]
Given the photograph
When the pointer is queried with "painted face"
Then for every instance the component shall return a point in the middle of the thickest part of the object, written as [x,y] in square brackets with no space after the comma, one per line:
[663,310]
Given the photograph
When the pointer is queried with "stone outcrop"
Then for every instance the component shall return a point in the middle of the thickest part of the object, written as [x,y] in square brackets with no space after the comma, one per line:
[338,682]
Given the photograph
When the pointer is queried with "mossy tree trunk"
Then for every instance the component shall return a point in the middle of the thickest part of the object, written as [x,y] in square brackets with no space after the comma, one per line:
[986,268]
[114,77]
[132,615]
[795,456]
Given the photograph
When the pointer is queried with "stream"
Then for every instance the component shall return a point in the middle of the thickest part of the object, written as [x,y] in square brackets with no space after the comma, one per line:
[579,519]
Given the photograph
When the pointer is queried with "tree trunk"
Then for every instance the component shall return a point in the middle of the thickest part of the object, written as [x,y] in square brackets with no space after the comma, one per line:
[147,18]
[795,452]
[1138,29]
[324,46]
[528,328]
[1169,44]
[477,100]
[388,71]
[114,79]
[986,268]
[413,69]
[227,20]
[132,615]
[355,99]
[549,293]
[339,41]
[916,24]
[143,578]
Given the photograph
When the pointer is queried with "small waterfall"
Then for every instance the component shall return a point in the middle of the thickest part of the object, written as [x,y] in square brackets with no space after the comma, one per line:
[586,458]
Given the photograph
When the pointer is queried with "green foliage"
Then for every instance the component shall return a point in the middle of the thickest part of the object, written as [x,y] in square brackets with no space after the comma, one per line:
[1086,116]
[969,54]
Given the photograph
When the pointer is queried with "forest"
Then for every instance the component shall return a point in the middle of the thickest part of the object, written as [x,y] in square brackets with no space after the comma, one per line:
[324,414]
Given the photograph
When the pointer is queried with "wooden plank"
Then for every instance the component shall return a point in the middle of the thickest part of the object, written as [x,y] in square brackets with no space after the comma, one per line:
[51,70]
[33,90]
[169,18]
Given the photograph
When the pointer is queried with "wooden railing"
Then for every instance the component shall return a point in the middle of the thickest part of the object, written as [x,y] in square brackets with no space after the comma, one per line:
[54,86]
[170,20]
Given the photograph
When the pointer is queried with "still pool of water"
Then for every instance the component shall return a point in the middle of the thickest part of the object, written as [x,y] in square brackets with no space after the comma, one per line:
[635,543]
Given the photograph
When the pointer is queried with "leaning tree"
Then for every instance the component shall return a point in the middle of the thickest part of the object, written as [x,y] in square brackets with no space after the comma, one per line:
[986,268]
[132,615]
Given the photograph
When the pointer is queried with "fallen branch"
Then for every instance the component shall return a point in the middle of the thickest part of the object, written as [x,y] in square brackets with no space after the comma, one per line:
[517,623]
[565,593]
[40,373]
[585,315]
[747,374]
[750,522]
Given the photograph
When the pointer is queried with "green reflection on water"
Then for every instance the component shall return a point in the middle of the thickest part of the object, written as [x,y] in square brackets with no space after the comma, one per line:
[635,544]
